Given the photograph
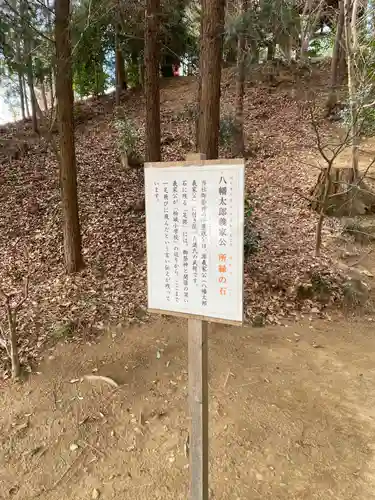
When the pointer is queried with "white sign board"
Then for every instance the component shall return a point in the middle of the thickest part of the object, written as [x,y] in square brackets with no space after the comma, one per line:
[195,219]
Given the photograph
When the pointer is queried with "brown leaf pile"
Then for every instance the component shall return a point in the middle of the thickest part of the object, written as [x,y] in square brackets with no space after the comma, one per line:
[112,287]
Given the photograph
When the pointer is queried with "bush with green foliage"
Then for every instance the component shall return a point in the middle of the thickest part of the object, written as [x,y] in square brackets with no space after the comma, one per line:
[270,22]
[91,41]
[127,136]
[321,46]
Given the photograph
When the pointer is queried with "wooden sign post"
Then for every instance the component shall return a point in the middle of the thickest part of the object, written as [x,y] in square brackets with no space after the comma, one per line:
[198,399]
[198,407]
[194,220]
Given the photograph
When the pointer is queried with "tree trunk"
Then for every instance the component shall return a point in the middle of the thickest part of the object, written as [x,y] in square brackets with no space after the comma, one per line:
[51,90]
[51,70]
[29,64]
[142,73]
[117,71]
[254,52]
[20,79]
[30,83]
[342,73]
[332,97]
[286,45]
[350,38]
[44,96]
[199,89]
[240,86]
[68,173]
[152,91]
[120,71]
[39,112]
[211,56]
[22,96]
[27,110]
[271,50]
[304,29]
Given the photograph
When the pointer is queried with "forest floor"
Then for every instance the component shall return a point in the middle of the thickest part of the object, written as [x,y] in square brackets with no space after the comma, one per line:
[291,404]
[111,290]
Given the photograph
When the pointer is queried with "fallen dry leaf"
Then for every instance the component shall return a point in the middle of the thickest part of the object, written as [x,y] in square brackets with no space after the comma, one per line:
[112,289]
[100,378]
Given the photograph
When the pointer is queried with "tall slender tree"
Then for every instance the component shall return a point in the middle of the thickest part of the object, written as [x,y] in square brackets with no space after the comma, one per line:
[20,76]
[332,96]
[26,99]
[351,39]
[152,90]
[22,95]
[240,82]
[28,40]
[212,29]
[68,172]
[119,67]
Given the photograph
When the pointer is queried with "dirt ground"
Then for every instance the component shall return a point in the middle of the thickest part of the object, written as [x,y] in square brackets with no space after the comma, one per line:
[291,416]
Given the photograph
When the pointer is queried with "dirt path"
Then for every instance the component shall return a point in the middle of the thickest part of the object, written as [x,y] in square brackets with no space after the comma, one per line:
[291,414]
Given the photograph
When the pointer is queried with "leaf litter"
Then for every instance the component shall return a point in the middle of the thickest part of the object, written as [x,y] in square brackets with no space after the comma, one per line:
[112,287]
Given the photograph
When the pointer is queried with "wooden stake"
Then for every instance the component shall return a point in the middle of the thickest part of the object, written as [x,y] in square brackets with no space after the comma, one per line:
[198,405]
[198,400]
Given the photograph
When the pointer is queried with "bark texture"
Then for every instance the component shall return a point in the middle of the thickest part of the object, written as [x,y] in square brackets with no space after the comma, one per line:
[199,91]
[22,96]
[27,110]
[211,60]
[29,64]
[44,95]
[20,78]
[240,87]
[350,12]
[68,173]
[152,91]
[271,50]
[332,97]
[120,71]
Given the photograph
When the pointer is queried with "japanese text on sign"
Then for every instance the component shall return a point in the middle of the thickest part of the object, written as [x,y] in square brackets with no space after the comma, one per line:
[195,238]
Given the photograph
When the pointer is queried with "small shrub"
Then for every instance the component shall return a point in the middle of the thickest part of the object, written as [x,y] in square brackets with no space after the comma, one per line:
[127,136]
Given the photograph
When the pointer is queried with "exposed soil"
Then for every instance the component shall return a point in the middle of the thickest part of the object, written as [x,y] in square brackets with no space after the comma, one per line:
[291,416]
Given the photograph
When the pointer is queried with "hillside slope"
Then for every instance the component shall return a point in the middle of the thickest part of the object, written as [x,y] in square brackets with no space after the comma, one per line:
[112,287]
